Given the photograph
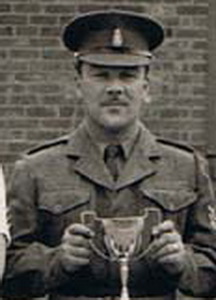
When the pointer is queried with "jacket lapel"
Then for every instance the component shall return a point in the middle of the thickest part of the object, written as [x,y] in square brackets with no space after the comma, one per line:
[141,163]
[89,162]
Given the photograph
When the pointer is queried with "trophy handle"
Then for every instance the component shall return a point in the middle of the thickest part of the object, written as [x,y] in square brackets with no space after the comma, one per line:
[90,219]
[152,217]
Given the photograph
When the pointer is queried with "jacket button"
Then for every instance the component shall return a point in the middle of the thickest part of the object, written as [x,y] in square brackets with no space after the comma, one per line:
[171,206]
[57,208]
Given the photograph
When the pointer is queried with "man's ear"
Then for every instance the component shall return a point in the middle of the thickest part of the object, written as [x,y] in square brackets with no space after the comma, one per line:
[78,85]
[146,85]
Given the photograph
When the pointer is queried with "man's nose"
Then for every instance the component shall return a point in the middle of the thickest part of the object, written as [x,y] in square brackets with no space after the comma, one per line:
[115,90]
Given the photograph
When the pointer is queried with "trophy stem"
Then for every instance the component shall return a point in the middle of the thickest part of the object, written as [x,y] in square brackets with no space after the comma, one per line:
[124,271]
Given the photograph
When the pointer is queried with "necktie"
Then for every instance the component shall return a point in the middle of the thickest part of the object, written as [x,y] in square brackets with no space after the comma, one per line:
[112,157]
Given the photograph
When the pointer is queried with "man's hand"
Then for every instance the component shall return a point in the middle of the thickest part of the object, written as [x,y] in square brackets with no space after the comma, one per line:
[75,247]
[167,248]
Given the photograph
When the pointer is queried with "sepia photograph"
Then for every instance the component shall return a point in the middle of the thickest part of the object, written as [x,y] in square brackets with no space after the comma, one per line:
[107,149]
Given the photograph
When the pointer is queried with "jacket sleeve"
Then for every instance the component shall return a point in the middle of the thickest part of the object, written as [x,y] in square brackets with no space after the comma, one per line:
[27,258]
[200,238]
[33,267]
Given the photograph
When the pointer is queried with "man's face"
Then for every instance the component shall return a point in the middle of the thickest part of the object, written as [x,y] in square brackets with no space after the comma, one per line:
[113,95]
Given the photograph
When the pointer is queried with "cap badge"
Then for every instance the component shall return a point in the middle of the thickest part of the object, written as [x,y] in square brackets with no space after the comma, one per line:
[117,38]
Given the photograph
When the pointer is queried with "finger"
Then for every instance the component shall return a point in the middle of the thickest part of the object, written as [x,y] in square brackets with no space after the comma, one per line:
[164,240]
[80,229]
[75,240]
[173,263]
[172,259]
[78,252]
[78,260]
[163,227]
[170,238]
[169,250]
[168,243]
[71,263]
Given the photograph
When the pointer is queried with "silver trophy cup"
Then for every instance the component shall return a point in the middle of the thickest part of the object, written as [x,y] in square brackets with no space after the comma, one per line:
[123,238]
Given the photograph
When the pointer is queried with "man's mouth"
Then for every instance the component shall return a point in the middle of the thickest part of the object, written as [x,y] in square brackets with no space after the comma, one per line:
[114,103]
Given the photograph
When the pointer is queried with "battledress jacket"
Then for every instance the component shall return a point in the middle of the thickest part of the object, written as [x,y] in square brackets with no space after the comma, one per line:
[54,183]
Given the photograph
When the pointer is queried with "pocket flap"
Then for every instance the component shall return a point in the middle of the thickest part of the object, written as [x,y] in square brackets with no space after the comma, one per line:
[59,202]
[172,200]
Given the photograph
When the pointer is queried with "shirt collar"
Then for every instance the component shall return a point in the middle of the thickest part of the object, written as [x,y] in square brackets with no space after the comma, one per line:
[127,144]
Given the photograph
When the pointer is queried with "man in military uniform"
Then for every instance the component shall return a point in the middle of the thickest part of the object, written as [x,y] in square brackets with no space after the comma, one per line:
[114,166]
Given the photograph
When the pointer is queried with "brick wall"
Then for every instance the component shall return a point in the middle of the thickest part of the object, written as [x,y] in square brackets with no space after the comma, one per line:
[37,95]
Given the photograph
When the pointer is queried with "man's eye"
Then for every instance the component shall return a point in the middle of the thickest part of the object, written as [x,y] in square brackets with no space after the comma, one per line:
[128,76]
[102,75]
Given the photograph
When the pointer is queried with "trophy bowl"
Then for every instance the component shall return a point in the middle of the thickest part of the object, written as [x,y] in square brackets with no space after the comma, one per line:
[121,235]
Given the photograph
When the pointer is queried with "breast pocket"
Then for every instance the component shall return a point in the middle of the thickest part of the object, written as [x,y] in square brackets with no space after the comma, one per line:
[59,209]
[174,204]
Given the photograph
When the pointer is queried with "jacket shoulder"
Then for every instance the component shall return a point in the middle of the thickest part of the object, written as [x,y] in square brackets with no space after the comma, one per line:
[181,146]
[49,145]
[179,150]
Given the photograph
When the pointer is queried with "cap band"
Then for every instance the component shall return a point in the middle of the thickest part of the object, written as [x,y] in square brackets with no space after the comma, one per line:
[133,58]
